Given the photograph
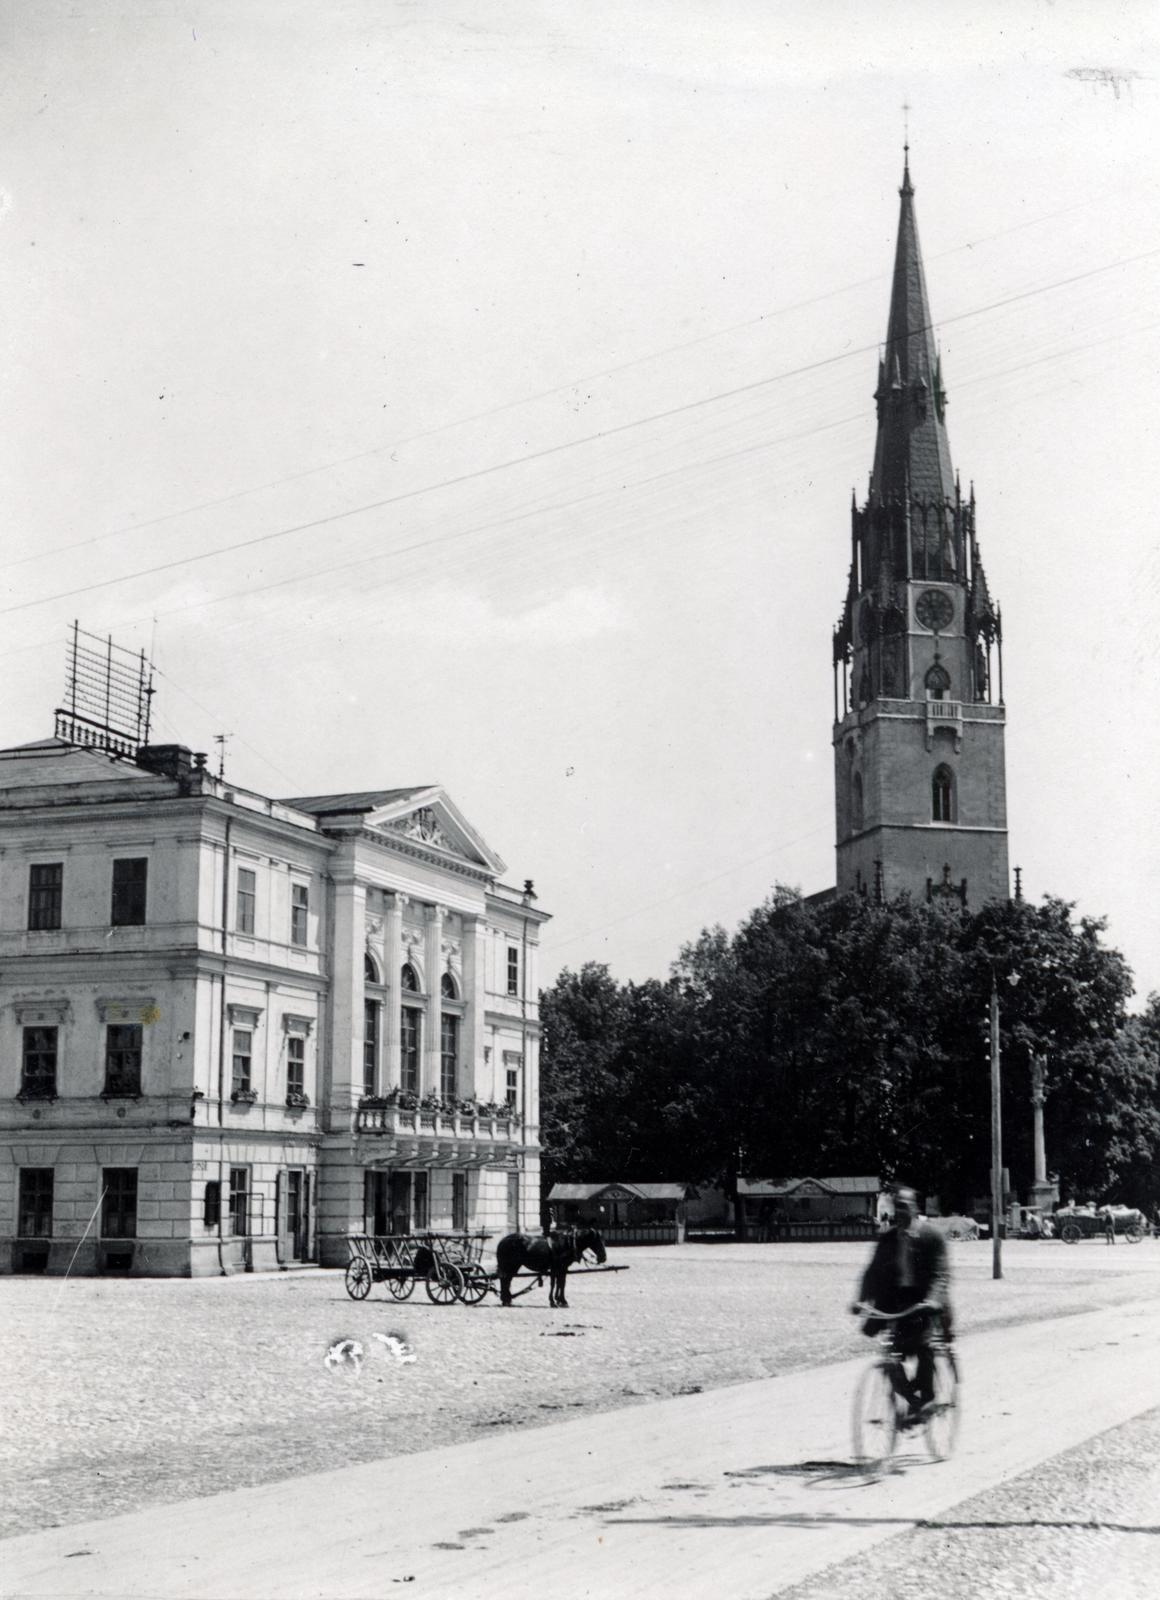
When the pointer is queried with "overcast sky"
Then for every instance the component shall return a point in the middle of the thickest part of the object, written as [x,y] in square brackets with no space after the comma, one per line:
[473,393]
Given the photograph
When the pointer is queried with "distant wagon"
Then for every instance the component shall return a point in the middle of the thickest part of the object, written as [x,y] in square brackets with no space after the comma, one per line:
[624,1213]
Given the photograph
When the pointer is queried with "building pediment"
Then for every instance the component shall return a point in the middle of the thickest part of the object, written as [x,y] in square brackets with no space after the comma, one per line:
[429,819]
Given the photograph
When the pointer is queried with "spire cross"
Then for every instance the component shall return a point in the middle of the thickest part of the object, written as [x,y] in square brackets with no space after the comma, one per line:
[906,127]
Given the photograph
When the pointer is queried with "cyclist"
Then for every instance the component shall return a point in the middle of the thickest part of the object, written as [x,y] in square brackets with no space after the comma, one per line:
[910,1267]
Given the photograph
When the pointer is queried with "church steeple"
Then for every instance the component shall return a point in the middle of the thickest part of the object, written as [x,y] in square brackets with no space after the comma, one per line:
[912,450]
[918,728]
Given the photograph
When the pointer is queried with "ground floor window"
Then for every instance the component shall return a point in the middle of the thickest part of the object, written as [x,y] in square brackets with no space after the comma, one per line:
[119,1203]
[513,1200]
[35,1210]
[420,1202]
[240,1201]
[459,1199]
[212,1206]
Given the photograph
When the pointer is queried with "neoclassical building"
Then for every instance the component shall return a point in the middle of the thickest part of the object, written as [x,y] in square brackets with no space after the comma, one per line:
[919,718]
[234,1029]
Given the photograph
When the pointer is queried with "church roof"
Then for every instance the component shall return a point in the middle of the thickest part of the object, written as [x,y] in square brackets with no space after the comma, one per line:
[912,456]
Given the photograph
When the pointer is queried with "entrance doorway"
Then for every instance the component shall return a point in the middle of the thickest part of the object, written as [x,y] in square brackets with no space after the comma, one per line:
[294,1214]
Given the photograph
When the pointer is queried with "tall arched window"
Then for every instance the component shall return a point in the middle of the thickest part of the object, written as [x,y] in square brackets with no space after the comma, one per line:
[370,971]
[447,987]
[857,803]
[942,795]
[410,1025]
[371,1029]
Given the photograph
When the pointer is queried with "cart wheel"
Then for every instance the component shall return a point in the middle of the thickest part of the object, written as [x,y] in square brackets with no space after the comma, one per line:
[358,1278]
[875,1420]
[400,1287]
[1133,1235]
[942,1423]
[1070,1234]
[476,1283]
[445,1284]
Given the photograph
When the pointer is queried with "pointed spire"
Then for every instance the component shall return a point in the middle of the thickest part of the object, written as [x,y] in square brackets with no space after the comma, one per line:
[912,437]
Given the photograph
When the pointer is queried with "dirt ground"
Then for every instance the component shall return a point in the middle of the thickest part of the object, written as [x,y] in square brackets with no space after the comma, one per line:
[121,1394]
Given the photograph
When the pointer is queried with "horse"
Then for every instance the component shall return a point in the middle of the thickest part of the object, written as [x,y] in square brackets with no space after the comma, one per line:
[550,1257]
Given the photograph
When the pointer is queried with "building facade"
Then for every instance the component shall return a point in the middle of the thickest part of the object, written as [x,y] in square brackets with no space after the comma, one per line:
[235,1029]
[919,719]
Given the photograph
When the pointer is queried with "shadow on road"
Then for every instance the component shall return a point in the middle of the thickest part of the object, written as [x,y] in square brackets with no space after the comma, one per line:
[823,1520]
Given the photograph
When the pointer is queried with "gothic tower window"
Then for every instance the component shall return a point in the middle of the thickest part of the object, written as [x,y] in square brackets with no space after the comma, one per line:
[942,795]
[857,804]
[938,681]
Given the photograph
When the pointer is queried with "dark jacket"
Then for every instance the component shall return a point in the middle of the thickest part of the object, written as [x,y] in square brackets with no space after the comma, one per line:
[929,1273]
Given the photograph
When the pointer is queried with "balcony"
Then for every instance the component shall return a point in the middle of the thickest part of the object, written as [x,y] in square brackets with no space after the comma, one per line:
[946,714]
[438,1137]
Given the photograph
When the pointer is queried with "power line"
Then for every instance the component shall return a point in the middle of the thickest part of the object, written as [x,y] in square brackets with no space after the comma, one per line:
[543,394]
[552,450]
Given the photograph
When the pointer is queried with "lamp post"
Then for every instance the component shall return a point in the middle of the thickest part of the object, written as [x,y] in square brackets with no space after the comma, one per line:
[996,1130]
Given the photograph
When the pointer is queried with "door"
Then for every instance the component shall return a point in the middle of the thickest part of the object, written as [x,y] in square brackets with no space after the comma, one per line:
[400,1195]
[376,1202]
[296,1214]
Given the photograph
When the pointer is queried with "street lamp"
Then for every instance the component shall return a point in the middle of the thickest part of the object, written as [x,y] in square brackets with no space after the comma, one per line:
[996,1129]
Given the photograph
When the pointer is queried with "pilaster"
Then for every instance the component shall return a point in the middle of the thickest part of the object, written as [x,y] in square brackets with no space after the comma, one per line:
[475,998]
[393,966]
[432,1032]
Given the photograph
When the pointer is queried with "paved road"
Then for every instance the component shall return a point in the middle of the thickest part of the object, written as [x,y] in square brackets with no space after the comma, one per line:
[736,1494]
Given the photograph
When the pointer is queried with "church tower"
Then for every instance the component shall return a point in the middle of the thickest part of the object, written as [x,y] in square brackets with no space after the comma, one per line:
[919,721]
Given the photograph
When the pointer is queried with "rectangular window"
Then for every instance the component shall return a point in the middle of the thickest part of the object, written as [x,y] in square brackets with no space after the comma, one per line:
[45,886]
[35,1210]
[299,913]
[421,1212]
[449,1056]
[243,1058]
[212,1206]
[119,1204]
[239,1201]
[370,1046]
[130,880]
[123,1058]
[511,1067]
[513,1200]
[247,900]
[459,1199]
[409,1049]
[295,1064]
[38,1064]
[513,969]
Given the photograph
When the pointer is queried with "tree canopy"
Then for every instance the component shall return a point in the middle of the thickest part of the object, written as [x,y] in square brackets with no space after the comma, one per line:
[852,1037]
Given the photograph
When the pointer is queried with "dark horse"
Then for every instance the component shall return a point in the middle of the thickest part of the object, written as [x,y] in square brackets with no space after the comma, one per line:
[550,1256]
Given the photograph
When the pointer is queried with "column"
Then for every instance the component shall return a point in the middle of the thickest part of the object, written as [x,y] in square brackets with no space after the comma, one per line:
[390,1065]
[349,943]
[1043,1195]
[475,999]
[432,1041]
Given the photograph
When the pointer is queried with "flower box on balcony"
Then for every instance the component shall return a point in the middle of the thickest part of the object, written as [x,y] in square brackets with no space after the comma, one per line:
[244,1097]
[296,1100]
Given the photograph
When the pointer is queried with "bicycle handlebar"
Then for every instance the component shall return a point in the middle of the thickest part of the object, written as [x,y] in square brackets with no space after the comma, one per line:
[861,1309]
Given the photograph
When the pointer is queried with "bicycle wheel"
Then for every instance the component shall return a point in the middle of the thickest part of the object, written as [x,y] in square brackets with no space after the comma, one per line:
[476,1283]
[358,1278]
[875,1419]
[400,1284]
[445,1284]
[942,1421]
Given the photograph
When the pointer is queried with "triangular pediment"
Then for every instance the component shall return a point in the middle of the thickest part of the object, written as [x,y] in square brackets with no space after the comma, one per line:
[429,819]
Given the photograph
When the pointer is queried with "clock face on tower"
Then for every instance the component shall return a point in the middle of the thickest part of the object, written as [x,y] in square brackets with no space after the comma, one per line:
[934,609]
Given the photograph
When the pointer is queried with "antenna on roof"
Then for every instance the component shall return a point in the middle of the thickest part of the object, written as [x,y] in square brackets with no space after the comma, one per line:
[220,740]
[108,695]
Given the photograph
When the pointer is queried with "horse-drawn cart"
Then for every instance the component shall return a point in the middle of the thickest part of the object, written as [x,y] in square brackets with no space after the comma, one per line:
[1074,1223]
[450,1266]
[446,1263]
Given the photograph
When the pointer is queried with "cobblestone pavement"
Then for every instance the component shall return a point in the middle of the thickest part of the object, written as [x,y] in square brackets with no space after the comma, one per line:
[1083,1526]
[122,1394]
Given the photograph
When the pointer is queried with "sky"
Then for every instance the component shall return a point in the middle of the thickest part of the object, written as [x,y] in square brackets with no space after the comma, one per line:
[474,394]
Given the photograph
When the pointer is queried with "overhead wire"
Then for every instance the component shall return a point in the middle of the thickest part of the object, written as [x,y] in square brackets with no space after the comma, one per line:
[478,473]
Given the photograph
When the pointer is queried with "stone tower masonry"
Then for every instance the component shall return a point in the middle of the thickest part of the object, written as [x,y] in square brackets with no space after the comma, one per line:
[919,775]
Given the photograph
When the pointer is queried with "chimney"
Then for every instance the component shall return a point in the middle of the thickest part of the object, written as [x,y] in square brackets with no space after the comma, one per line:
[167,760]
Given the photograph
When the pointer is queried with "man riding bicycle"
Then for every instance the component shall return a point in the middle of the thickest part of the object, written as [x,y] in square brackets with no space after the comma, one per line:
[910,1267]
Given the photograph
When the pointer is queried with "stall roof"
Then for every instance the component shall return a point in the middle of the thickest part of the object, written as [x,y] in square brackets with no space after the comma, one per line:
[771,1188]
[641,1191]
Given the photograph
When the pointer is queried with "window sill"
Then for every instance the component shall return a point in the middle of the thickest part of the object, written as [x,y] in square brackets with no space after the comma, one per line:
[244,1097]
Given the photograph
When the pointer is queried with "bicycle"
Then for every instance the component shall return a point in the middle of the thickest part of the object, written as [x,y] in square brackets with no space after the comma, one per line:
[880,1401]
